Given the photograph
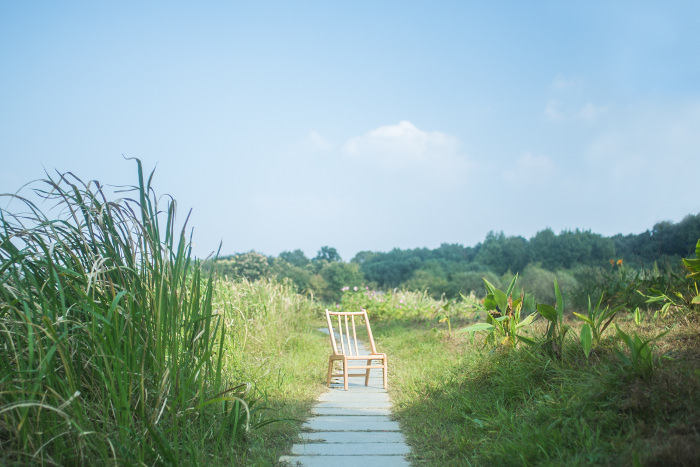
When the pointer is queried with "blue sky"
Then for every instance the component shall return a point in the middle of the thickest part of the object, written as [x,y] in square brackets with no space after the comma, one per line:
[363,125]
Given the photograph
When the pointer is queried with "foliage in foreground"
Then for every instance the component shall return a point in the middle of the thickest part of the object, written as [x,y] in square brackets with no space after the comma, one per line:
[117,349]
[521,407]
[107,331]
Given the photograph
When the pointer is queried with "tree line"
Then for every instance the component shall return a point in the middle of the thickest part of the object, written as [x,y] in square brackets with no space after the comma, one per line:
[579,259]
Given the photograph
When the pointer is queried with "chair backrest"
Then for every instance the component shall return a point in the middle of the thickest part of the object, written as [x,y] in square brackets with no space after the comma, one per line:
[343,331]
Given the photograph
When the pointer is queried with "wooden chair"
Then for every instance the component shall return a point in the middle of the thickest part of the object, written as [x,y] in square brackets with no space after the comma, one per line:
[340,327]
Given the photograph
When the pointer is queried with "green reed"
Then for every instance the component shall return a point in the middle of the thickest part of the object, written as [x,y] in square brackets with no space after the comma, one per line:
[111,352]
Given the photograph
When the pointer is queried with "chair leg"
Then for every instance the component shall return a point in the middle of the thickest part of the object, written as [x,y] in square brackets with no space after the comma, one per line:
[369,362]
[346,376]
[384,370]
[330,371]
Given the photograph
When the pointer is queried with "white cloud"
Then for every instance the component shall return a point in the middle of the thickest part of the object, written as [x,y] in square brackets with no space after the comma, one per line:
[552,112]
[316,141]
[529,167]
[555,111]
[405,147]
[562,82]
[591,113]
[567,92]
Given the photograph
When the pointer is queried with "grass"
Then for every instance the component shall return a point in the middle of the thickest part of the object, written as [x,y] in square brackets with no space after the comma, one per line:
[117,349]
[271,340]
[466,405]
[108,329]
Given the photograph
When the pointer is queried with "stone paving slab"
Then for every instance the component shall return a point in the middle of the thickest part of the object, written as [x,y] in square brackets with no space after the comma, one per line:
[350,449]
[385,404]
[351,424]
[348,411]
[353,395]
[345,461]
[357,437]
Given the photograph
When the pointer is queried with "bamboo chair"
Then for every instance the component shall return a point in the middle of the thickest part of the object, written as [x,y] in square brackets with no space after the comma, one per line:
[340,327]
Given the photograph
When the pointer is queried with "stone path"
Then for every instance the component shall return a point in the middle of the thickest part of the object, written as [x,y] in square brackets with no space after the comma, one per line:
[351,428]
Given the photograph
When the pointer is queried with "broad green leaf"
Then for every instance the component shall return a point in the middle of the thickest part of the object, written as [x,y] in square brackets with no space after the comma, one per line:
[586,339]
[489,286]
[527,340]
[625,338]
[509,291]
[694,266]
[658,298]
[547,311]
[517,303]
[696,300]
[637,316]
[501,300]
[525,322]
[490,302]
[585,319]
[478,327]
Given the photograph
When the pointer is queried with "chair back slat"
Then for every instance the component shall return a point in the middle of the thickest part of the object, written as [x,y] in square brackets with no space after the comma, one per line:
[340,334]
[369,333]
[354,335]
[332,333]
[342,326]
[347,336]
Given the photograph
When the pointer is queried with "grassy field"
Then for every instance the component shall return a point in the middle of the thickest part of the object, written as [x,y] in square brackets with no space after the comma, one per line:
[119,349]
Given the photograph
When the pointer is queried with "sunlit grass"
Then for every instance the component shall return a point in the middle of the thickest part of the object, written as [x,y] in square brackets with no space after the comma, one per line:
[272,340]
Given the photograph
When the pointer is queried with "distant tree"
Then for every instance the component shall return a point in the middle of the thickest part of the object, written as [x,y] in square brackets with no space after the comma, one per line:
[665,242]
[363,256]
[503,254]
[296,258]
[454,253]
[389,270]
[689,233]
[445,268]
[544,249]
[300,276]
[328,254]
[472,281]
[252,266]
[336,276]
[429,279]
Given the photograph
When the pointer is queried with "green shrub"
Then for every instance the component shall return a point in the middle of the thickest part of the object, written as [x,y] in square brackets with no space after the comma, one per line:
[251,266]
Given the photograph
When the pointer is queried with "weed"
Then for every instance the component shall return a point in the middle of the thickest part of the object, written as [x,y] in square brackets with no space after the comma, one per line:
[503,324]
[556,329]
[596,321]
[641,357]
